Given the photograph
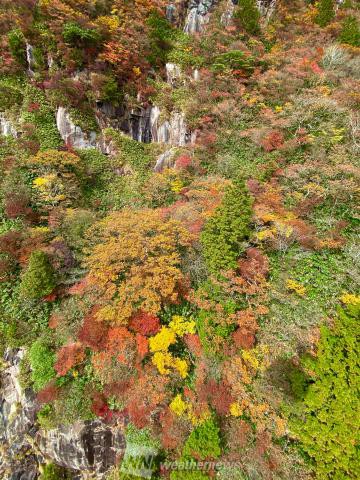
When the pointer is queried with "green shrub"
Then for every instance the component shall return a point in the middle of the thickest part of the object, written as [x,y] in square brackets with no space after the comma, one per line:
[182,54]
[110,91]
[21,321]
[161,35]
[188,475]
[11,91]
[45,417]
[224,233]
[53,472]
[129,151]
[41,359]
[203,442]
[75,402]
[236,154]
[84,118]
[42,118]
[17,45]
[326,12]
[74,34]
[74,227]
[249,16]
[234,60]
[39,279]
[208,327]
[39,58]
[350,33]
[329,428]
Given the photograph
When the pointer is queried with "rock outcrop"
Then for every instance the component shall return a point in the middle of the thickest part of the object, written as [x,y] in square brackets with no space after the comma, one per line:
[6,127]
[143,124]
[83,447]
[266,8]
[198,15]
[165,160]
[71,133]
[90,446]
[17,422]
[30,59]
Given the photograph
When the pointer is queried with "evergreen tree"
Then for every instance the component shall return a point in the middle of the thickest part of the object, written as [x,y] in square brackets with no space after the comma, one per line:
[350,32]
[226,230]
[326,12]
[249,16]
[42,360]
[38,280]
[328,418]
[17,45]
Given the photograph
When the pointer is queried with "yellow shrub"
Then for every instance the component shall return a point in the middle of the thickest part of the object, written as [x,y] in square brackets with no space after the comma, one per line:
[235,410]
[350,299]
[295,287]
[178,406]
[162,340]
[180,326]
[163,361]
[181,366]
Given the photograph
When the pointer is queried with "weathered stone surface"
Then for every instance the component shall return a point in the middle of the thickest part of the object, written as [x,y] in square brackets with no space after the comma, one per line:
[6,127]
[165,160]
[198,15]
[71,133]
[85,447]
[17,416]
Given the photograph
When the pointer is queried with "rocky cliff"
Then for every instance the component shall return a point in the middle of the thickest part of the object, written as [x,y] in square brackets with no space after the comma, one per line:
[85,448]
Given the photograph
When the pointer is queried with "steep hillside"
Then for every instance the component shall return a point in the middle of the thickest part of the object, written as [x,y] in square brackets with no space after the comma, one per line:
[179,254]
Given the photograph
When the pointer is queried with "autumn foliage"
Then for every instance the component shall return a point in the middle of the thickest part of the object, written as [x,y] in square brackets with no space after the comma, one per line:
[144,323]
[68,357]
[136,263]
[181,303]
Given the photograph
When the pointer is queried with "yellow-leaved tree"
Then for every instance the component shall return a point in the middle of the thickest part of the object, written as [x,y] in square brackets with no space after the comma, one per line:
[134,263]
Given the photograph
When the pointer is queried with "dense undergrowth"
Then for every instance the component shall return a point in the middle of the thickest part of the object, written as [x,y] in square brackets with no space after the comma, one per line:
[212,305]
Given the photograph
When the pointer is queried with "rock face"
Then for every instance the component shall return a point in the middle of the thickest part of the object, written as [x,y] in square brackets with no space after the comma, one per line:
[172,131]
[71,133]
[84,447]
[17,415]
[226,17]
[173,73]
[198,15]
[165,160]
[266,7]
[91,446]
[30,59]
[142,124]
[175,10]
[6,128]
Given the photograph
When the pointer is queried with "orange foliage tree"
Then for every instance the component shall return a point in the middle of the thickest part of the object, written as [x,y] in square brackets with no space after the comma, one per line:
[68,356]
[135,263]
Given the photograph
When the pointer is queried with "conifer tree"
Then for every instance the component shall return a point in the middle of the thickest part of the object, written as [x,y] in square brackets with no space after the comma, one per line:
[226,230]
[38,280]
[249,16]
[350,33]
[327,427]
[326,12]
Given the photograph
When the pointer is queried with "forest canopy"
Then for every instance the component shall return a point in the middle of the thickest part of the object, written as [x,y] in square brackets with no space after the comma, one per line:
[179,238]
